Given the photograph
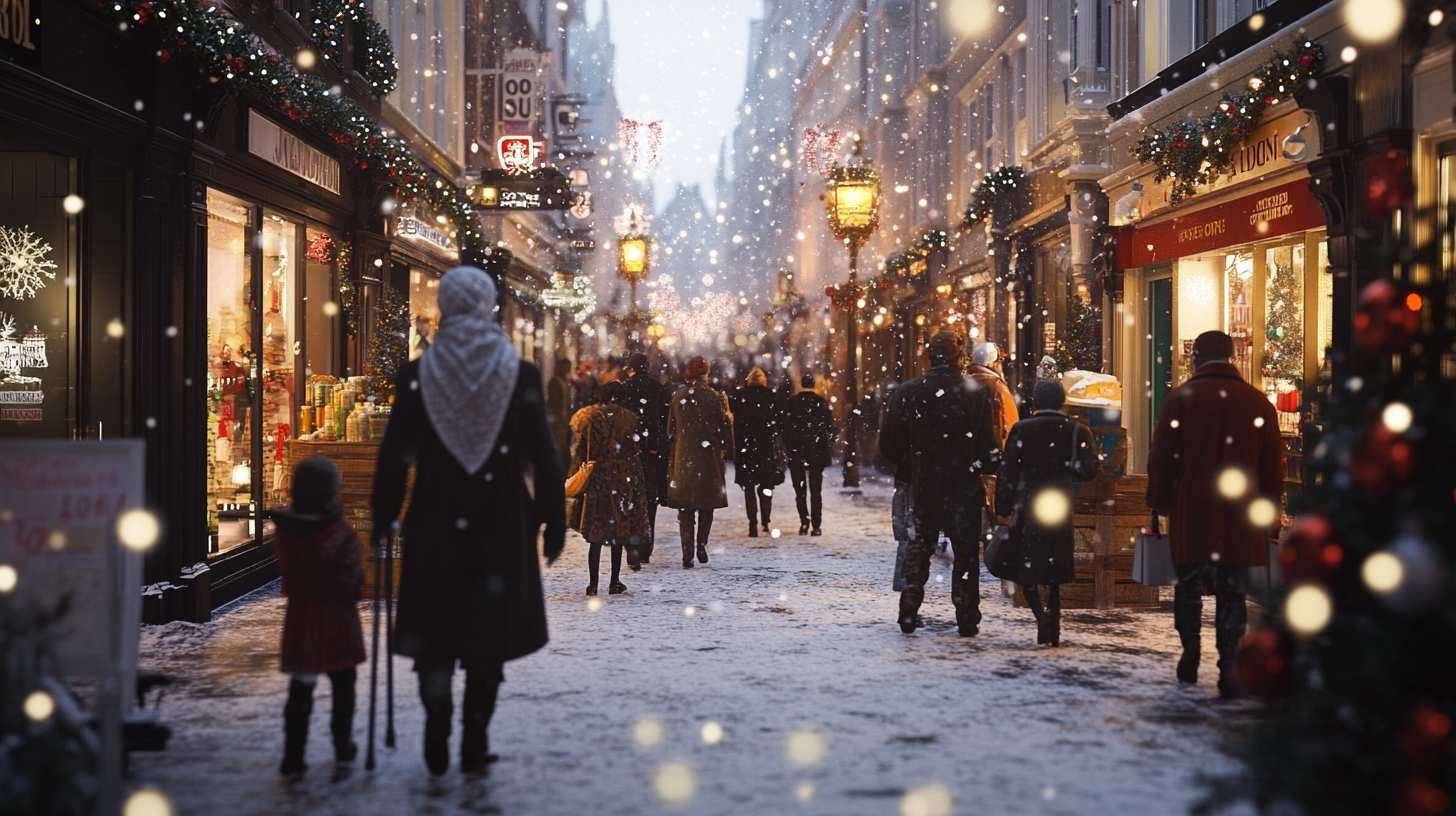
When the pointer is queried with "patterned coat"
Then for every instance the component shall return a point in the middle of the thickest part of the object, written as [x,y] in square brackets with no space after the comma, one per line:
[323,572]
[614,506]
[700,434]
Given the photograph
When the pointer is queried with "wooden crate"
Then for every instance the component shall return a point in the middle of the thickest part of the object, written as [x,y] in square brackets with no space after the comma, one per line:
[356,462]
[1108,514]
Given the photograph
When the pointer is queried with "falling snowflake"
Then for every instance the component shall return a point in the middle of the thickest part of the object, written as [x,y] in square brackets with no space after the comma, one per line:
[22,263]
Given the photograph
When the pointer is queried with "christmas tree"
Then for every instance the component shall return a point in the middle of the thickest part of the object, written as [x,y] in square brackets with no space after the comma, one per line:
[388,344]
[1358,655]
[1079,343]
[1284,328]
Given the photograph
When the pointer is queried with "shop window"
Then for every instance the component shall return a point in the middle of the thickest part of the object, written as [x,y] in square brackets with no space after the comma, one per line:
[1324,306]
[321,318]
[1282,367]
[1239,323]
[281,343]
[424,296]
[37,303]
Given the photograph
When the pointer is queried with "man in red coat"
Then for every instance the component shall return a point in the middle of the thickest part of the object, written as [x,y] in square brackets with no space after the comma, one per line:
[1216,469]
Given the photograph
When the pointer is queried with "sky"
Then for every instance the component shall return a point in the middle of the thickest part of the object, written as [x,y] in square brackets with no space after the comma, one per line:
[681,62]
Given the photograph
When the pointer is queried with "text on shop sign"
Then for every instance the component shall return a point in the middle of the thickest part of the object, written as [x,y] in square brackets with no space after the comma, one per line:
[286,150]
[1267,214]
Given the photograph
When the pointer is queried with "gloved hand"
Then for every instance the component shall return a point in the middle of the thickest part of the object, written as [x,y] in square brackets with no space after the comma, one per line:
[553,542]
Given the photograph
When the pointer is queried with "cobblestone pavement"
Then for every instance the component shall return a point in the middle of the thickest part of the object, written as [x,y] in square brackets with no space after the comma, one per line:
[787,647]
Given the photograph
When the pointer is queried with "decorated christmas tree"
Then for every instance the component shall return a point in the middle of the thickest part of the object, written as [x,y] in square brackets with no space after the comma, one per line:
[1079,343]
[1284,332]
[388,344]
[1358,656]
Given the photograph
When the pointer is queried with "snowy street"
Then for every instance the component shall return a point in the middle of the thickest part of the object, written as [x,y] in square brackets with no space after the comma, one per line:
[788,645]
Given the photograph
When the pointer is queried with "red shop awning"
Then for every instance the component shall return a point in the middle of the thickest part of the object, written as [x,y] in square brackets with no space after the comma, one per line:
[1255,217]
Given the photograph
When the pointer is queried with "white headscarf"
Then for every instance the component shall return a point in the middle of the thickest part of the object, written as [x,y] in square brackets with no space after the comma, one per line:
[469,372]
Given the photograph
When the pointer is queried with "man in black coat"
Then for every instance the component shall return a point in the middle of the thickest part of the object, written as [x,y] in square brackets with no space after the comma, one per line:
[648,398]
[942,428]
[808,429]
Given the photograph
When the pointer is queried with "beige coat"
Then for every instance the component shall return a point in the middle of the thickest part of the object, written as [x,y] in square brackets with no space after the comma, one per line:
[699,433]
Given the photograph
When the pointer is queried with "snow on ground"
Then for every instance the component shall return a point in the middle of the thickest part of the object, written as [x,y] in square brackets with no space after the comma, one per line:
[790,647]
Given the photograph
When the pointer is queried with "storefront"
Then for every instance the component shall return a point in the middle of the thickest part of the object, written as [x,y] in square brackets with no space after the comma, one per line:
[423,250]
[1249,258]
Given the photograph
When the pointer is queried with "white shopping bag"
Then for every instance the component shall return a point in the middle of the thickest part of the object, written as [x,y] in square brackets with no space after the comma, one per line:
[1152,558]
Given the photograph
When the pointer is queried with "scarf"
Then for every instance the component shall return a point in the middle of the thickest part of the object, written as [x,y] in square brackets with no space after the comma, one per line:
[469,371]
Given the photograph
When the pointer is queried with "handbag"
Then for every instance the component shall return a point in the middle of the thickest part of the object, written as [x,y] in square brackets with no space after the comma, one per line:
[998,549]
[1152,558]
[576,485]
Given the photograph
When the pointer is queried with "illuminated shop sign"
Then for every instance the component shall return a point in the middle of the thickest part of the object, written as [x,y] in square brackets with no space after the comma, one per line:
[415,228]
[273,143]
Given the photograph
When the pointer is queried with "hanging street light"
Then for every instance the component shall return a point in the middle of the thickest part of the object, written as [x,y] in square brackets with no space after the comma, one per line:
[634,260]
[852,205]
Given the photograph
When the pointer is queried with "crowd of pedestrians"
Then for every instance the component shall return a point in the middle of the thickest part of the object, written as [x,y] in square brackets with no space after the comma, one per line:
[472,420]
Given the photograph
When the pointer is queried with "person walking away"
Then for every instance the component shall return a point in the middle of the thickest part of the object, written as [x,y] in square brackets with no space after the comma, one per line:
[319,558]
[584,392]
[1044,454]
[758,461]
[808,432]
[471,416]
[699,433]
[1216,459]
[941,425]
[558,409]
[985,371]
[614,507]
[646,397]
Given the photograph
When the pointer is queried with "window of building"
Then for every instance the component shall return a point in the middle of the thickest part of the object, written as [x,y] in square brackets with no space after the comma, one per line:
[424,296]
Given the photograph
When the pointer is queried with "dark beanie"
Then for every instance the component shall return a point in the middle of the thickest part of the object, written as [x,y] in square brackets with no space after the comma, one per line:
[697,367]
[807,381]
[614,392]
[316,484]
[638,363]
[945,346]
[1214,345]
[1048,395]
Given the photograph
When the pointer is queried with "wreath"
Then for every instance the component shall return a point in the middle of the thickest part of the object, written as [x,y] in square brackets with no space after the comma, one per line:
[983,196]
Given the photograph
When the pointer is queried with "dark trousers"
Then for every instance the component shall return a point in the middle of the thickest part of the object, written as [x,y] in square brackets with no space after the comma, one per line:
[808,480]
[300,705]
[482,684]
[1049,618]
[686,527]
[758,501]
[962,525]
[1226,583]
[594,562]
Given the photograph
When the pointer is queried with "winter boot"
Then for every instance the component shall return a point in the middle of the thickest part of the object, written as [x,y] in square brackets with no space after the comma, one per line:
[752,530]
[295,726]
[342,720]
[479,705]
[685,527]
[803,527]
[1230,622]
[1188,620]
[909,607]
[435,694]
[765,507]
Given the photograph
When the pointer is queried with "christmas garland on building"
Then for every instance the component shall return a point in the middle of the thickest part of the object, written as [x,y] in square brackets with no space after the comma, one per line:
[983,196]
[931,241]
[1199,151]
[228,51]
[329,18]
[348,291]
[845,295]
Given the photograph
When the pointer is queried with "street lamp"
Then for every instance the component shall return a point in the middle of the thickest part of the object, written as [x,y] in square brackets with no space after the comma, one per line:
[852,205]
[633,257]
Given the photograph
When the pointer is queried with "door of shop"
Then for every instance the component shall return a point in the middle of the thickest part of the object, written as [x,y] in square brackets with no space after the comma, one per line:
[1160,355]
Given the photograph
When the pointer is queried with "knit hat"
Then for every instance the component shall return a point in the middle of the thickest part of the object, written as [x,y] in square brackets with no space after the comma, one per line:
[945,346]
[985,354]
[807,382]
[316,484]
[1213,345]
[697,367]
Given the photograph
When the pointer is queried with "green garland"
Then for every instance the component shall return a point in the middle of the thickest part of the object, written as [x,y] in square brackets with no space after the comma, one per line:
[348,291]
[983,196]
[932,240]
[1199,151]
[329,18]
[227,50]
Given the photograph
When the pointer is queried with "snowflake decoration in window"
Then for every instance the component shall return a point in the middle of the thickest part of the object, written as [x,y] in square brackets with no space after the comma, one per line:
[1200,291]
[23,263]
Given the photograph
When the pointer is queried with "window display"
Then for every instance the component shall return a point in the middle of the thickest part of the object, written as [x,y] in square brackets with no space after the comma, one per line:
[231,373]
[424,312]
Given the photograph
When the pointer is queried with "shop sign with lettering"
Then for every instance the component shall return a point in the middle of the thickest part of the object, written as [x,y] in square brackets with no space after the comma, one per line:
[20,31]
[415,228]
[519,91]
[1256,217]
[286,150]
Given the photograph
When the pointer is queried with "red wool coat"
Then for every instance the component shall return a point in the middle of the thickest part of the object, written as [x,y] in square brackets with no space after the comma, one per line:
[1213,422]
[322,576]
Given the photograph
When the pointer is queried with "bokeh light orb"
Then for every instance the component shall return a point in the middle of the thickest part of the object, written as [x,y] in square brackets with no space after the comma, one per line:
[138,529]
[970,16]
[8,578]
[39,706]
[147,802]
[1051,507]
[1382,573]
[1232,483]
[647,732]
[1308,610]
[1397,417]
[1374,21]
[1263,513]
[930,800]
[712,733]
[674,783]
[73,204]
[804,792]
[593,604]
[805,747]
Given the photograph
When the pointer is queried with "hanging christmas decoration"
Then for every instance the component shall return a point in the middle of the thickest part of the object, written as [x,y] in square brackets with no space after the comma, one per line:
[984,195]
[640,142]
[378,66]
[1387,316]
[348,291]
[821,149]
[27,352]
[321,248]
[1198,151]
[1388,185]
[24,268]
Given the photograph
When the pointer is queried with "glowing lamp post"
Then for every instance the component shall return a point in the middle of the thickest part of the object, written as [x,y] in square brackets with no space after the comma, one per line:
[633,257]
[852,205]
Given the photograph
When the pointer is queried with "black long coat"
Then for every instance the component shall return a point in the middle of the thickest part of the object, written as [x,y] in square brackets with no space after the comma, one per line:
[807,425]
[1046,452]
[648,399]
[940,431]
[757,460]
[471,582]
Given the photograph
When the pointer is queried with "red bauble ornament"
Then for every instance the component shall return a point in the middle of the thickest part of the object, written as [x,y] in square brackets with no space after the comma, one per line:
[1387,317]
[144,13]
[1388,184]
[1310,553]
[821,196]
[1305,61]
[1263,663]
[164,55]
[1382,461]
[1424,737]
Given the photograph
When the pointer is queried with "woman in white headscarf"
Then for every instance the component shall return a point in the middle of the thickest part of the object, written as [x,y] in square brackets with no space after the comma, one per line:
[471,416]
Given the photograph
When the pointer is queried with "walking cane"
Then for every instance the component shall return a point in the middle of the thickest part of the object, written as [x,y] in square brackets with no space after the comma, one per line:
[389,635]
[374,660]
